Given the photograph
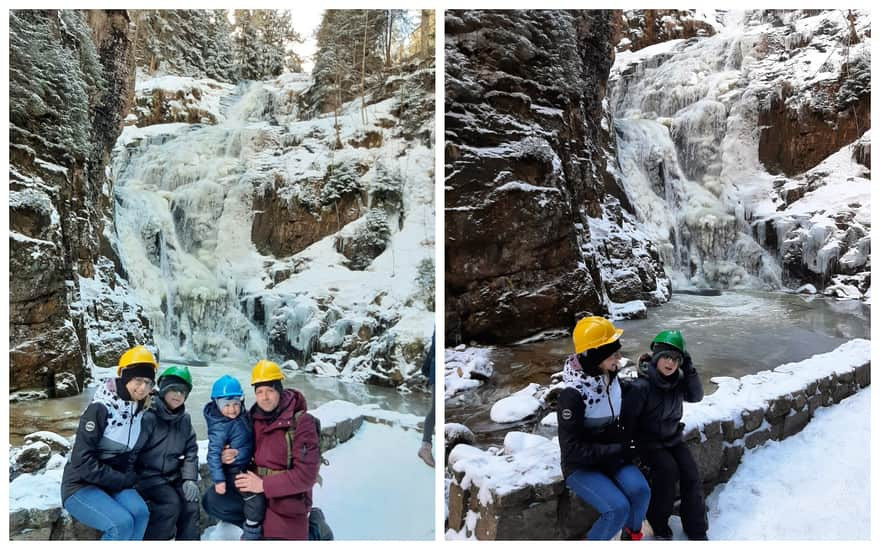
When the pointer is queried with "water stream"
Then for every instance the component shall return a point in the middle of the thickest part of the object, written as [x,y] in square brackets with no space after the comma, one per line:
[734,334]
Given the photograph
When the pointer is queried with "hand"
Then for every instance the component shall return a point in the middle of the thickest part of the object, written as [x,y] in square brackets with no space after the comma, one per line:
[130,479]
[250,482]
[687,365]
[220,488]
[191,490]
[645,358]
[227,456]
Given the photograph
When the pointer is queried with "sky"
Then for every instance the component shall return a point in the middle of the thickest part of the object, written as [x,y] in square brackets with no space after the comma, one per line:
[305,22]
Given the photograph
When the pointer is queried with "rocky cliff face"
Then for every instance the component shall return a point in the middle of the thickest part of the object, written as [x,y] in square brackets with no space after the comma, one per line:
[530,243]
[71,84]
[642,28]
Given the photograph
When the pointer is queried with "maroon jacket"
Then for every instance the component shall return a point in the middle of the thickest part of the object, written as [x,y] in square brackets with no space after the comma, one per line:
[288,491]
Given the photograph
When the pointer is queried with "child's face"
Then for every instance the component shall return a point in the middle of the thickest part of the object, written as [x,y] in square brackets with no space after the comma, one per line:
[229,407]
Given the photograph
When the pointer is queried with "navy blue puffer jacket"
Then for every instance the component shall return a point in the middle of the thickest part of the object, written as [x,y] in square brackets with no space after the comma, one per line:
[222,431]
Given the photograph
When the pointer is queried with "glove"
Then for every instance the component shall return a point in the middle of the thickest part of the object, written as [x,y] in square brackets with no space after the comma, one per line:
[190,491]
[130,479]
[687,366]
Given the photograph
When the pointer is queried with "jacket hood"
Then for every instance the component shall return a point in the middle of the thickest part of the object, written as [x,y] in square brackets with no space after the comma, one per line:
[587,384]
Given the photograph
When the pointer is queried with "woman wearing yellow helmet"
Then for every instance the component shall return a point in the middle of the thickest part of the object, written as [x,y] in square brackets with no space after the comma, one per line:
[97,487]
[596,457]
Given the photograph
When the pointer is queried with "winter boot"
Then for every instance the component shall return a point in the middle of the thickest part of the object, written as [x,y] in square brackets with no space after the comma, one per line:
[425,454]
[663,533]
[629,534]
[251,532]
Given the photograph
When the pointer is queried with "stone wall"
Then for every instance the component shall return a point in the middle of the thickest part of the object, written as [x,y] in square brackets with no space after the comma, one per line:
[549,510]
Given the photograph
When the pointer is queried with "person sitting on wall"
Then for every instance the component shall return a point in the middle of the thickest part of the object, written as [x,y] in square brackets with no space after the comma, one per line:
[653,409]
[596,458]
[168,464]
[97,486]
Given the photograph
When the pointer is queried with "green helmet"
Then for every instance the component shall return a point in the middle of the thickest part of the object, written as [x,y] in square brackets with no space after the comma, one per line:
[180,372]
[670,337]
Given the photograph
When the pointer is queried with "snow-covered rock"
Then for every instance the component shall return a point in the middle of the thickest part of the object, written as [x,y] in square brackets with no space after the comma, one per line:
[465,369]
[518,406]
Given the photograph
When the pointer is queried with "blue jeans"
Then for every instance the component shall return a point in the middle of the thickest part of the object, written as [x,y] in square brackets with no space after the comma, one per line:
[121,516]
[621,499]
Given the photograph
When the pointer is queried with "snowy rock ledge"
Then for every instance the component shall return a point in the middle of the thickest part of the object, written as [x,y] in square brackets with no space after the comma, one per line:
[518,492]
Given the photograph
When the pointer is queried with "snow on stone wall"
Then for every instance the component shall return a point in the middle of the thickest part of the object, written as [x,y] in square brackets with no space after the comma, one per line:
[518,492]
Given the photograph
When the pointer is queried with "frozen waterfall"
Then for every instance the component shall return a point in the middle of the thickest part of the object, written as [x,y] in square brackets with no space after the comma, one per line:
[686,129]
[183,220]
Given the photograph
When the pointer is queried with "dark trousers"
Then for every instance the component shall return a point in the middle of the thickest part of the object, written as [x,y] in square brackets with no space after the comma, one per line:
[668,466]
[428,430]
[171,516]
[234,506]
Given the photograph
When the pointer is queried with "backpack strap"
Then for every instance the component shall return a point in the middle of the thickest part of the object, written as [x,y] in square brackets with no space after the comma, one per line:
[289,435]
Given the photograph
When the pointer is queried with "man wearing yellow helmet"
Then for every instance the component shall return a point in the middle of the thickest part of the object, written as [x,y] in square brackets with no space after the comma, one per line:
[286,459]
[97,487]
[596,456]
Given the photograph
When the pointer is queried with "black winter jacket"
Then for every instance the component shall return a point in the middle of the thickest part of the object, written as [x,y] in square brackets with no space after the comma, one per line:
[652,406]
[170,453]
[581,447]
[106,446]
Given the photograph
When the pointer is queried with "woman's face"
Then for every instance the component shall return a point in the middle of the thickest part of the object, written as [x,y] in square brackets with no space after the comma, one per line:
[611,363]
[139,388]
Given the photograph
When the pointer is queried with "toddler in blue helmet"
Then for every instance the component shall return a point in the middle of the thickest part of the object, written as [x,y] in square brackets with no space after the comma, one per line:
[229,426]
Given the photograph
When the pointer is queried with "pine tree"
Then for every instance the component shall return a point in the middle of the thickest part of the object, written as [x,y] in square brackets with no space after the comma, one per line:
[348,55]
[217,50]
[261,41]
[246,46]
[184,42]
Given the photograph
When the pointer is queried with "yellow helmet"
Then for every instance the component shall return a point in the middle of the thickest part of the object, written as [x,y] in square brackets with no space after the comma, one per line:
[137,355]
[593,332]
[266,371]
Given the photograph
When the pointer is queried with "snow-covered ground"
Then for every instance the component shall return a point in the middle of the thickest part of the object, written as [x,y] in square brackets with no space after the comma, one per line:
[465,369]
[812,486]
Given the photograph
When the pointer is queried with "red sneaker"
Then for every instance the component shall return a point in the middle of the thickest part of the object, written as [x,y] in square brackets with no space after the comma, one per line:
[629,534]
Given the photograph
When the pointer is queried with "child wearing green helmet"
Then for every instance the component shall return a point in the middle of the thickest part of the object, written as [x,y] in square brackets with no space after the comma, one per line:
[170,487]
[652,411]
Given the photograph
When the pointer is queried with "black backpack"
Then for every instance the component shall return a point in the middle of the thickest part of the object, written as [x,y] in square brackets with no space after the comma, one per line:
[318,528]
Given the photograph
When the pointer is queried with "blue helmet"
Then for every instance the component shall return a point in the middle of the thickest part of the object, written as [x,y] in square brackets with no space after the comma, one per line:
[226,386]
